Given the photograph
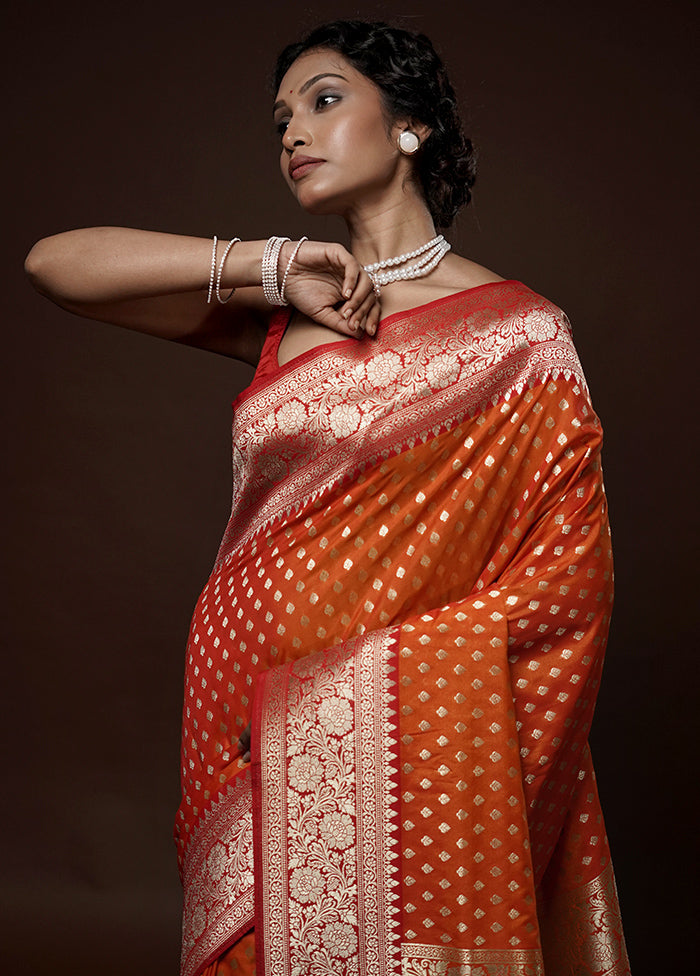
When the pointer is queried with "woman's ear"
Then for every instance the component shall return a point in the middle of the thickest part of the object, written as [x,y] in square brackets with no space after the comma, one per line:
[419,129]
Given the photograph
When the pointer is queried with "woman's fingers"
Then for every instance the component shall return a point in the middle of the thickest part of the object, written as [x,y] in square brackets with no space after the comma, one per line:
[360,317]
[244,743]
[330,286]
[352,320]
[352,275]
[363,299]
[332,319]
[373,318]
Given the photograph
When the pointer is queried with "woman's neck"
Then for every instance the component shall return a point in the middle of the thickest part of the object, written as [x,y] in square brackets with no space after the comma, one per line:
[378,234]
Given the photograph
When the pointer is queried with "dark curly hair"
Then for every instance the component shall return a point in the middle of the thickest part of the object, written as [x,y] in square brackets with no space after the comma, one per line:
[414,85]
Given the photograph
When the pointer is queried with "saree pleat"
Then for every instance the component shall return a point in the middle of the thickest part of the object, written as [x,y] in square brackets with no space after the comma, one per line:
[238,960]
[411,604]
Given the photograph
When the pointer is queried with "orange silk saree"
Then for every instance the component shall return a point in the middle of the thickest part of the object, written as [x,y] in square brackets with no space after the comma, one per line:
[410,603]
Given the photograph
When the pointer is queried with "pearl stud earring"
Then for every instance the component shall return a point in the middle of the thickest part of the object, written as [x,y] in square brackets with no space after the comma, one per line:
[409,143]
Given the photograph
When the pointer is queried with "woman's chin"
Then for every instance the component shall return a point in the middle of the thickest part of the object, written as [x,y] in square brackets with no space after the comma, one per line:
[316,202]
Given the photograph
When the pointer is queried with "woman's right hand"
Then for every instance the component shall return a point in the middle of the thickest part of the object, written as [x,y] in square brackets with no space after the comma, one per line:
[327,284]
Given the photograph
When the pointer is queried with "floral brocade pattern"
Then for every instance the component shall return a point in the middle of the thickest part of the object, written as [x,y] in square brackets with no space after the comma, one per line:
[326,811]
[321,810]
[425,371]
[218,878]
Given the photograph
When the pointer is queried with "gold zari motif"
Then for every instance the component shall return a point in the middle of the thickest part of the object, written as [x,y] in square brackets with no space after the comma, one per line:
[582,933]
[428,960]
[218,877]
[327,775]
[410,604]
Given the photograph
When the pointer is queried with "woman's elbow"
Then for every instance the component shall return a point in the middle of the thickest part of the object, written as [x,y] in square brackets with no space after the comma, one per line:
[37,266]
[56,266]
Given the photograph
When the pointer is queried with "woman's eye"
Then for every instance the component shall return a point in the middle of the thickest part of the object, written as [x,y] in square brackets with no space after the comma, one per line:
[323,101]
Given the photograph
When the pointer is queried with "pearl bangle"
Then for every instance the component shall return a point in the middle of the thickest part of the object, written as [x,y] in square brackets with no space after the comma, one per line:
[212,271]
[286,272]
[270,260]
[222,301]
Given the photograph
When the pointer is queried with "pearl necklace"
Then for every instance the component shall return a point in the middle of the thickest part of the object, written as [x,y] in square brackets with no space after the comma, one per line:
[430,255]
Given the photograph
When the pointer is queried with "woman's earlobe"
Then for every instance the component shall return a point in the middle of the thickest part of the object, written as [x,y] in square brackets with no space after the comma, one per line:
[411,136]
[408,142]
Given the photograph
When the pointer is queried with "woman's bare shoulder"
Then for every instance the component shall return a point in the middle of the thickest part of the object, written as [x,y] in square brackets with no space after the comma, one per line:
[454,274]
[462,273]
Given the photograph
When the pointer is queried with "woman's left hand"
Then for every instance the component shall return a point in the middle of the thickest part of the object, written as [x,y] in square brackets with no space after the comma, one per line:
[327,284]
[244,743]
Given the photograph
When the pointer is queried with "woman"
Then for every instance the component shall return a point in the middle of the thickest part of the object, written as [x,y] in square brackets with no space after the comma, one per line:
[392,669]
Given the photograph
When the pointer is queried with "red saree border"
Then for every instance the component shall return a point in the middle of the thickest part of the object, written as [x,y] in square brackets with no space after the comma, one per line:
[327,808]
[272,370]
[218,878]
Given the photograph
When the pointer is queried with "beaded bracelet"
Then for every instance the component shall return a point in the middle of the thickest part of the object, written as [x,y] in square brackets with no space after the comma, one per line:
[270,260]
[286,271]
[222,301]
[212,272]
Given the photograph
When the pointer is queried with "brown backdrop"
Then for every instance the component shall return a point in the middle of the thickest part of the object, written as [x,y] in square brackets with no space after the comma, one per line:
[117,473]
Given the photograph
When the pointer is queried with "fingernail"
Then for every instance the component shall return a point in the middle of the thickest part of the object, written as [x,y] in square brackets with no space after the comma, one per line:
[348,292]
[347,313]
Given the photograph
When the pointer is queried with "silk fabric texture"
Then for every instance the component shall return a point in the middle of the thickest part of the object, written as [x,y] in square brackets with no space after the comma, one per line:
[410,603]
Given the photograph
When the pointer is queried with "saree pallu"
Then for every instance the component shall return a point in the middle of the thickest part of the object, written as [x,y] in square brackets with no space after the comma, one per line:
[410,604]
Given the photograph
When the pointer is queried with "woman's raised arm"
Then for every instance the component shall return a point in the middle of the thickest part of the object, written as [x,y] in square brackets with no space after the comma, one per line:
[154,283]
[157,283]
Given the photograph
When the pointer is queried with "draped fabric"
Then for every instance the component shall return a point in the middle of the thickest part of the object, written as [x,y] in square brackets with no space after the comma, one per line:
[410,604]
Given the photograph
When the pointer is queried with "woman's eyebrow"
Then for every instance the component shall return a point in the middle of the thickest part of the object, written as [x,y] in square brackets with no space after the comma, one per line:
[307,84]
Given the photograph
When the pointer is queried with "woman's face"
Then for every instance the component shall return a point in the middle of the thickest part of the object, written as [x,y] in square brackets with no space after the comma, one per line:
[328,112]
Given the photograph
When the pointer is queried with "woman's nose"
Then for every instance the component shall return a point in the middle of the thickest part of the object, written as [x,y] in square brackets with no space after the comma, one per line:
[296,135]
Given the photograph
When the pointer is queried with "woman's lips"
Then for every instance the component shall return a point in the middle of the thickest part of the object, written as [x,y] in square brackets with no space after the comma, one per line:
[302,167]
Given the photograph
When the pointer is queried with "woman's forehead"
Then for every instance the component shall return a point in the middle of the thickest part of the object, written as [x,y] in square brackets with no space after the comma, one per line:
[312,63]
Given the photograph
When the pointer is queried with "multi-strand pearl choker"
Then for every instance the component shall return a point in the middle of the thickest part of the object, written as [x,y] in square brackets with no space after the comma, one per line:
[430,255]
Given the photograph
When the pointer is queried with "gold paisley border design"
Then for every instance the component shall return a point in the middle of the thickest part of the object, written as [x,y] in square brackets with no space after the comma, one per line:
[218,878]
[328,814]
